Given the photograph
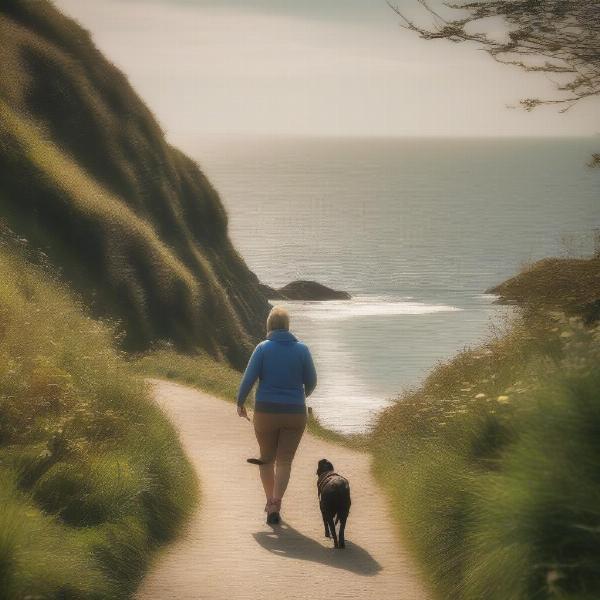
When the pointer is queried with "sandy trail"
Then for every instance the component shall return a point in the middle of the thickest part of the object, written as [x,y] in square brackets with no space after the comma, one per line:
[229,553]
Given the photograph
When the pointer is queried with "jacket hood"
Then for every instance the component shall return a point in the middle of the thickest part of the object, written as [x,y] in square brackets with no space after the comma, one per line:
[282,335]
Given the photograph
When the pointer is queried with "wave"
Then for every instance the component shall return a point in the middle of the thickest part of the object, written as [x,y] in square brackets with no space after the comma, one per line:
[490,297]
[364,307]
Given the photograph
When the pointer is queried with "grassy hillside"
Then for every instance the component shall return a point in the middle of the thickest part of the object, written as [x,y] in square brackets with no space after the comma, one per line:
[92,477]
[88,177]
[569,284]
[493,463]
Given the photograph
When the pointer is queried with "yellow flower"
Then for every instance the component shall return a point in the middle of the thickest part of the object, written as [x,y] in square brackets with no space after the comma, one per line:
[503,399]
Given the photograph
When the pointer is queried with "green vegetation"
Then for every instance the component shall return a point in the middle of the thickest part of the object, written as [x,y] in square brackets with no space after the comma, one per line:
[571,285]
[356,441]
[132,223]
[200,371]
[492,465]
[92,476]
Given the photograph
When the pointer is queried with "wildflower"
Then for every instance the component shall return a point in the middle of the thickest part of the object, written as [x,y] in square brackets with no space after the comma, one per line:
[552,576]
[480,396]
[503,399]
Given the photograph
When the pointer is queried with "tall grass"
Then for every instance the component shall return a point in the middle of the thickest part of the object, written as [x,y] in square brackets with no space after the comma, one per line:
[92,477]
[200,371]
[493,464]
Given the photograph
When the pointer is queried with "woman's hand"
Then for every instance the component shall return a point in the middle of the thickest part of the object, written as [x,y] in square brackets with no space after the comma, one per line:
[242,412]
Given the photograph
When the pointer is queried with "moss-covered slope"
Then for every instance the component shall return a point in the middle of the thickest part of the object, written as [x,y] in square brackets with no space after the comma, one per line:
[568,284]
[88,177]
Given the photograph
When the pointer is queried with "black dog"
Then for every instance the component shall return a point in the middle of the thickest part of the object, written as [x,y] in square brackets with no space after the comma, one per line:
[334,500]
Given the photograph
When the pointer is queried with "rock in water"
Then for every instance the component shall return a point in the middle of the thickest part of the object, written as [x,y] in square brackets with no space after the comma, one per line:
[309,290]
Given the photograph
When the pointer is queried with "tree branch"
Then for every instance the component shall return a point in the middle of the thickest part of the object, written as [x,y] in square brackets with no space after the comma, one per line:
[564,32]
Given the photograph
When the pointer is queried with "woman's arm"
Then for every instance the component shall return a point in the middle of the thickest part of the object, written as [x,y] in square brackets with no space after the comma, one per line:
[309,373]
[250,375]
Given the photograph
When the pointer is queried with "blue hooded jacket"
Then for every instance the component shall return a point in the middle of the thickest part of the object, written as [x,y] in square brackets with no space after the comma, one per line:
[286,373]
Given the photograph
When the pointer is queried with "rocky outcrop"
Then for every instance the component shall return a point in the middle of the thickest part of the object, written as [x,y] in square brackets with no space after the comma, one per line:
[304,290]
[571,285]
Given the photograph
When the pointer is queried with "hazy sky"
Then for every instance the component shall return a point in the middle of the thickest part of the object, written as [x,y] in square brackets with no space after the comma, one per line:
[324,67]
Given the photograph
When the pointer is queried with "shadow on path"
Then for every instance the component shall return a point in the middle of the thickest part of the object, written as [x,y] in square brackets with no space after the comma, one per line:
[286,541]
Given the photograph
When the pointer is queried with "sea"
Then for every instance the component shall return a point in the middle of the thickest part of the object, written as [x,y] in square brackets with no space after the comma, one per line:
[415,229]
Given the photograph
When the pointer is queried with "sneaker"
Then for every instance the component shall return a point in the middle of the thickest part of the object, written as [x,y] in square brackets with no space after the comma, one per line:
[273,518]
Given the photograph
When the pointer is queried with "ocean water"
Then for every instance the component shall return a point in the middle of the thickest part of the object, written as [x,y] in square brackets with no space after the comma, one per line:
[415,229]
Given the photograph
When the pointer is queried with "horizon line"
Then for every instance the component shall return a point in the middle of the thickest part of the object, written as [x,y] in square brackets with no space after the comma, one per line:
[175,134]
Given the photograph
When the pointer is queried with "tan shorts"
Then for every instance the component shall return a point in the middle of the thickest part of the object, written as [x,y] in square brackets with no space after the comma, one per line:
[278,435]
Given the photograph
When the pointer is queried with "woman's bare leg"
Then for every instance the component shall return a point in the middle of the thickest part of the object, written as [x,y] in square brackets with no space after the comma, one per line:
[267,476]
[289,439]
[267,437]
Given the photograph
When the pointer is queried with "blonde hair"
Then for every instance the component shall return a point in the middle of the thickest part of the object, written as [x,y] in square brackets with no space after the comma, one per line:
[278,318]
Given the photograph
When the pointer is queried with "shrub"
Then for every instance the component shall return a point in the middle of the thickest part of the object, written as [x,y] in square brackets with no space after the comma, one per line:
[92,476]
[492,465]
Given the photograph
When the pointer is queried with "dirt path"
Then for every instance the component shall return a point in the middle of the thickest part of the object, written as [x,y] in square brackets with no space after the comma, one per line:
[229,553]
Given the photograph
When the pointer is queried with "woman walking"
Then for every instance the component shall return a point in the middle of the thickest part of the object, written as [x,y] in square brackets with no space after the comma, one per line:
[286,373]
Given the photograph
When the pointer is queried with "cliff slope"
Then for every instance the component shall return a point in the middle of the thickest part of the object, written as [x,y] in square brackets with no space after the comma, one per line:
[87,177]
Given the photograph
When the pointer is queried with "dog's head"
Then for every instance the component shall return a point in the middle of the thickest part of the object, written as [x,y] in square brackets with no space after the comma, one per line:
[324,466]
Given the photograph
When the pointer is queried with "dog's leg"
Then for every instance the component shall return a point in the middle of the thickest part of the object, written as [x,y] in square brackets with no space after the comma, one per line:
[332,529]
[327,534]
[342,527]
